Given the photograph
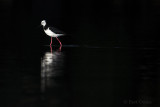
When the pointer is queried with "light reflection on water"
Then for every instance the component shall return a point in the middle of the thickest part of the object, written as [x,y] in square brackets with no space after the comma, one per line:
[52,64]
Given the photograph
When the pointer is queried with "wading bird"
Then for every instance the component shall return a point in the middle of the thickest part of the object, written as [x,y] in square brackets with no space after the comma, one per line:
[52,32]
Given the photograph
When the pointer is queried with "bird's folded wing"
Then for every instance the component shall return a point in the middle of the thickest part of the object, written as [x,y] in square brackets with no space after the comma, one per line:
[55,30]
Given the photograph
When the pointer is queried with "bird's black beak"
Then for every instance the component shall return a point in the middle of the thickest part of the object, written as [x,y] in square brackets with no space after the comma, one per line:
[39,25]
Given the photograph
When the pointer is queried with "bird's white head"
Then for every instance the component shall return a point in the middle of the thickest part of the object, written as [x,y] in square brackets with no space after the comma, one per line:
[43,23]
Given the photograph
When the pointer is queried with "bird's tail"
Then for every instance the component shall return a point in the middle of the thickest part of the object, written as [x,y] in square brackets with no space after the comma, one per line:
[61,34]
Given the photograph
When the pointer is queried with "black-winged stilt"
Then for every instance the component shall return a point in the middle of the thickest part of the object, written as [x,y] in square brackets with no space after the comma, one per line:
[52,32]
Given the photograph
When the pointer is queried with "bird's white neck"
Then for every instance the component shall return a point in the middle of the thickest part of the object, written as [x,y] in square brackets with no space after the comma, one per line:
[44,25]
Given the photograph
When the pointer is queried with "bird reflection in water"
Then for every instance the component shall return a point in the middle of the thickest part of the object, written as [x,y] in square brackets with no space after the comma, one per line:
[51,67]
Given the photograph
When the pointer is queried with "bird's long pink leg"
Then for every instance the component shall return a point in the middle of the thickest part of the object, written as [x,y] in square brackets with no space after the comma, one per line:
[59,41]
[51,48]
[51,41]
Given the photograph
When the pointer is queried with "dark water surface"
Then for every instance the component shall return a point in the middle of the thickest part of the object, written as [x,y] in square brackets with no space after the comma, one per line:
[80,76]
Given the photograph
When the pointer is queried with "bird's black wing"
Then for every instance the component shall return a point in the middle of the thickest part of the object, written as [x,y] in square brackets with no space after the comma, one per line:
[55,30]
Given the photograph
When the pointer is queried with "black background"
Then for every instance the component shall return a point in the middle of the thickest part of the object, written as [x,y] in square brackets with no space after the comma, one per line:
[105,23]
[126,23]
[92,22]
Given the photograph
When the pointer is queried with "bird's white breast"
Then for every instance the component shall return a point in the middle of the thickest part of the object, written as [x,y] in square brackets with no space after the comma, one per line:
[50,33]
